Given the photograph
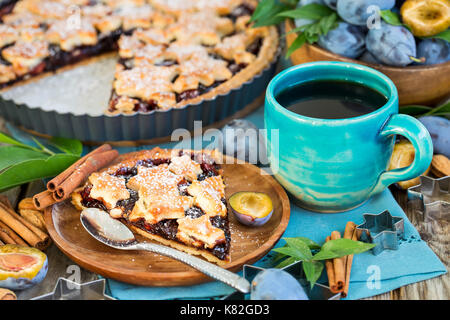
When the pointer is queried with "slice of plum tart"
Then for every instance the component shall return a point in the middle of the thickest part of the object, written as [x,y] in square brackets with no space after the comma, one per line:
[175,197]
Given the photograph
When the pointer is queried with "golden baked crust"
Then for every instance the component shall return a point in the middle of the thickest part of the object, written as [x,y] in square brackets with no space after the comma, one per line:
[176,197]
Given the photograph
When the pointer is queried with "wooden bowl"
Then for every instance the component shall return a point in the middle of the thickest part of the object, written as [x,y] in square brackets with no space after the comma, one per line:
[425,85]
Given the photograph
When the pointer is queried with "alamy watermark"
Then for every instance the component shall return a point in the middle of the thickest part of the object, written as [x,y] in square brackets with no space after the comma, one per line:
[374,19]
[373,282]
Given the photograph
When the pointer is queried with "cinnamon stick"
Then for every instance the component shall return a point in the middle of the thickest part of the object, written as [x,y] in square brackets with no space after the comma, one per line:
[90,165]
[330,272]
[349,233]
[6,238]
[31,234]
[43,200]
[12,234]
[338,265]
[56,181]
[8,235]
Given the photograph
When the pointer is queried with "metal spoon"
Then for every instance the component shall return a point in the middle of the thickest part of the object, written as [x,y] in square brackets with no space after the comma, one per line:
[113,233]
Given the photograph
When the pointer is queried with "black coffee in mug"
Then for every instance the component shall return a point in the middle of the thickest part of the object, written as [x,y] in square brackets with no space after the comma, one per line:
[331,99]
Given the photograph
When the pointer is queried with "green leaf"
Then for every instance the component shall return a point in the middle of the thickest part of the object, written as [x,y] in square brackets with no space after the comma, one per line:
[310,243]
[444,35]
[292,252]
[311,11]
[10,155]
[327,23]
[443,109]
[391,17]
[71,146]
[30,170]
[414,110]
[312,30]
[43,148]
[313,270]
[312,39]
[298,42]
[286,262]
[341,247]
[443,114]
[4,138]
[272,17]
[300,246]
[263,9]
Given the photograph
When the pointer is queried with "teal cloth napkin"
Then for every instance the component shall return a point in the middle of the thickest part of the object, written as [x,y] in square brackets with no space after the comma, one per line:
[371,275]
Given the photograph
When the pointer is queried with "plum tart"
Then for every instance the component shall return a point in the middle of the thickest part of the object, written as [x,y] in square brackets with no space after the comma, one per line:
[171,52]
[175,197]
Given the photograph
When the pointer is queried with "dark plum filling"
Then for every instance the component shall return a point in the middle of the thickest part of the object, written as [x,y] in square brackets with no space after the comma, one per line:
[128,204]
[168,229]
[165,228]
[59,58]
[182,187]
[166,63]
[126,172]
[241,10]
[221,250]
[194,213]
[140,106]
[6,6]
[89,202]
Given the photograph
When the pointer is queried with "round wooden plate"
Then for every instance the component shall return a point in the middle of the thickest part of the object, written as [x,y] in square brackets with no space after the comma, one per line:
[144,268]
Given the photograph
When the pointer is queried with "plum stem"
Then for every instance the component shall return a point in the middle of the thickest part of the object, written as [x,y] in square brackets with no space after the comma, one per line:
[418,60]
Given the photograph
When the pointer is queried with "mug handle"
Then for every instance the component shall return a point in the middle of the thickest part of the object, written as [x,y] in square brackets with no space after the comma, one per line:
[419,136]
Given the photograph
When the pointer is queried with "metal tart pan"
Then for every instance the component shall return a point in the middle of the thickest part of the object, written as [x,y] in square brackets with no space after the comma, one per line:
[140,128]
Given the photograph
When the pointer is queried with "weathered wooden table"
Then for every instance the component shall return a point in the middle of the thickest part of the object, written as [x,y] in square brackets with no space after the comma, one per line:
[435,233]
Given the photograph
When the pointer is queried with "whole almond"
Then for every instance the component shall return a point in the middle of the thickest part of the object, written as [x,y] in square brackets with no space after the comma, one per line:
[27,204]
[440,165]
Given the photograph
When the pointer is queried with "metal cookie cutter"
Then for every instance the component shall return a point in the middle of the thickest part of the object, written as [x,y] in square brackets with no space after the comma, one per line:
[318,292]
[433,197]
[69,290]
[382,229]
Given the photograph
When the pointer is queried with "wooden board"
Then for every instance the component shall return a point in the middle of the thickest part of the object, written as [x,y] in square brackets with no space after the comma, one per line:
[144,268]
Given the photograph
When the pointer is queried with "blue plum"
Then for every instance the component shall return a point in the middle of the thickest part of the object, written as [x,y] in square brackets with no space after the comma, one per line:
[439,129]
[301,21]
[276,284]
[369,58]
[356,11]
[346,40]
[331,3]
[392,45]
[434,51]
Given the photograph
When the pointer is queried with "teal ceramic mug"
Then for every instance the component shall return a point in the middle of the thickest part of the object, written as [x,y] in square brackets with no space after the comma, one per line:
[333,165]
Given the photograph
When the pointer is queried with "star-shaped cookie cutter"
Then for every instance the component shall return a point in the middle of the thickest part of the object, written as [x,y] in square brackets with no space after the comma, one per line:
[432,196]
[318,292]
[382,229]
[69,290]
